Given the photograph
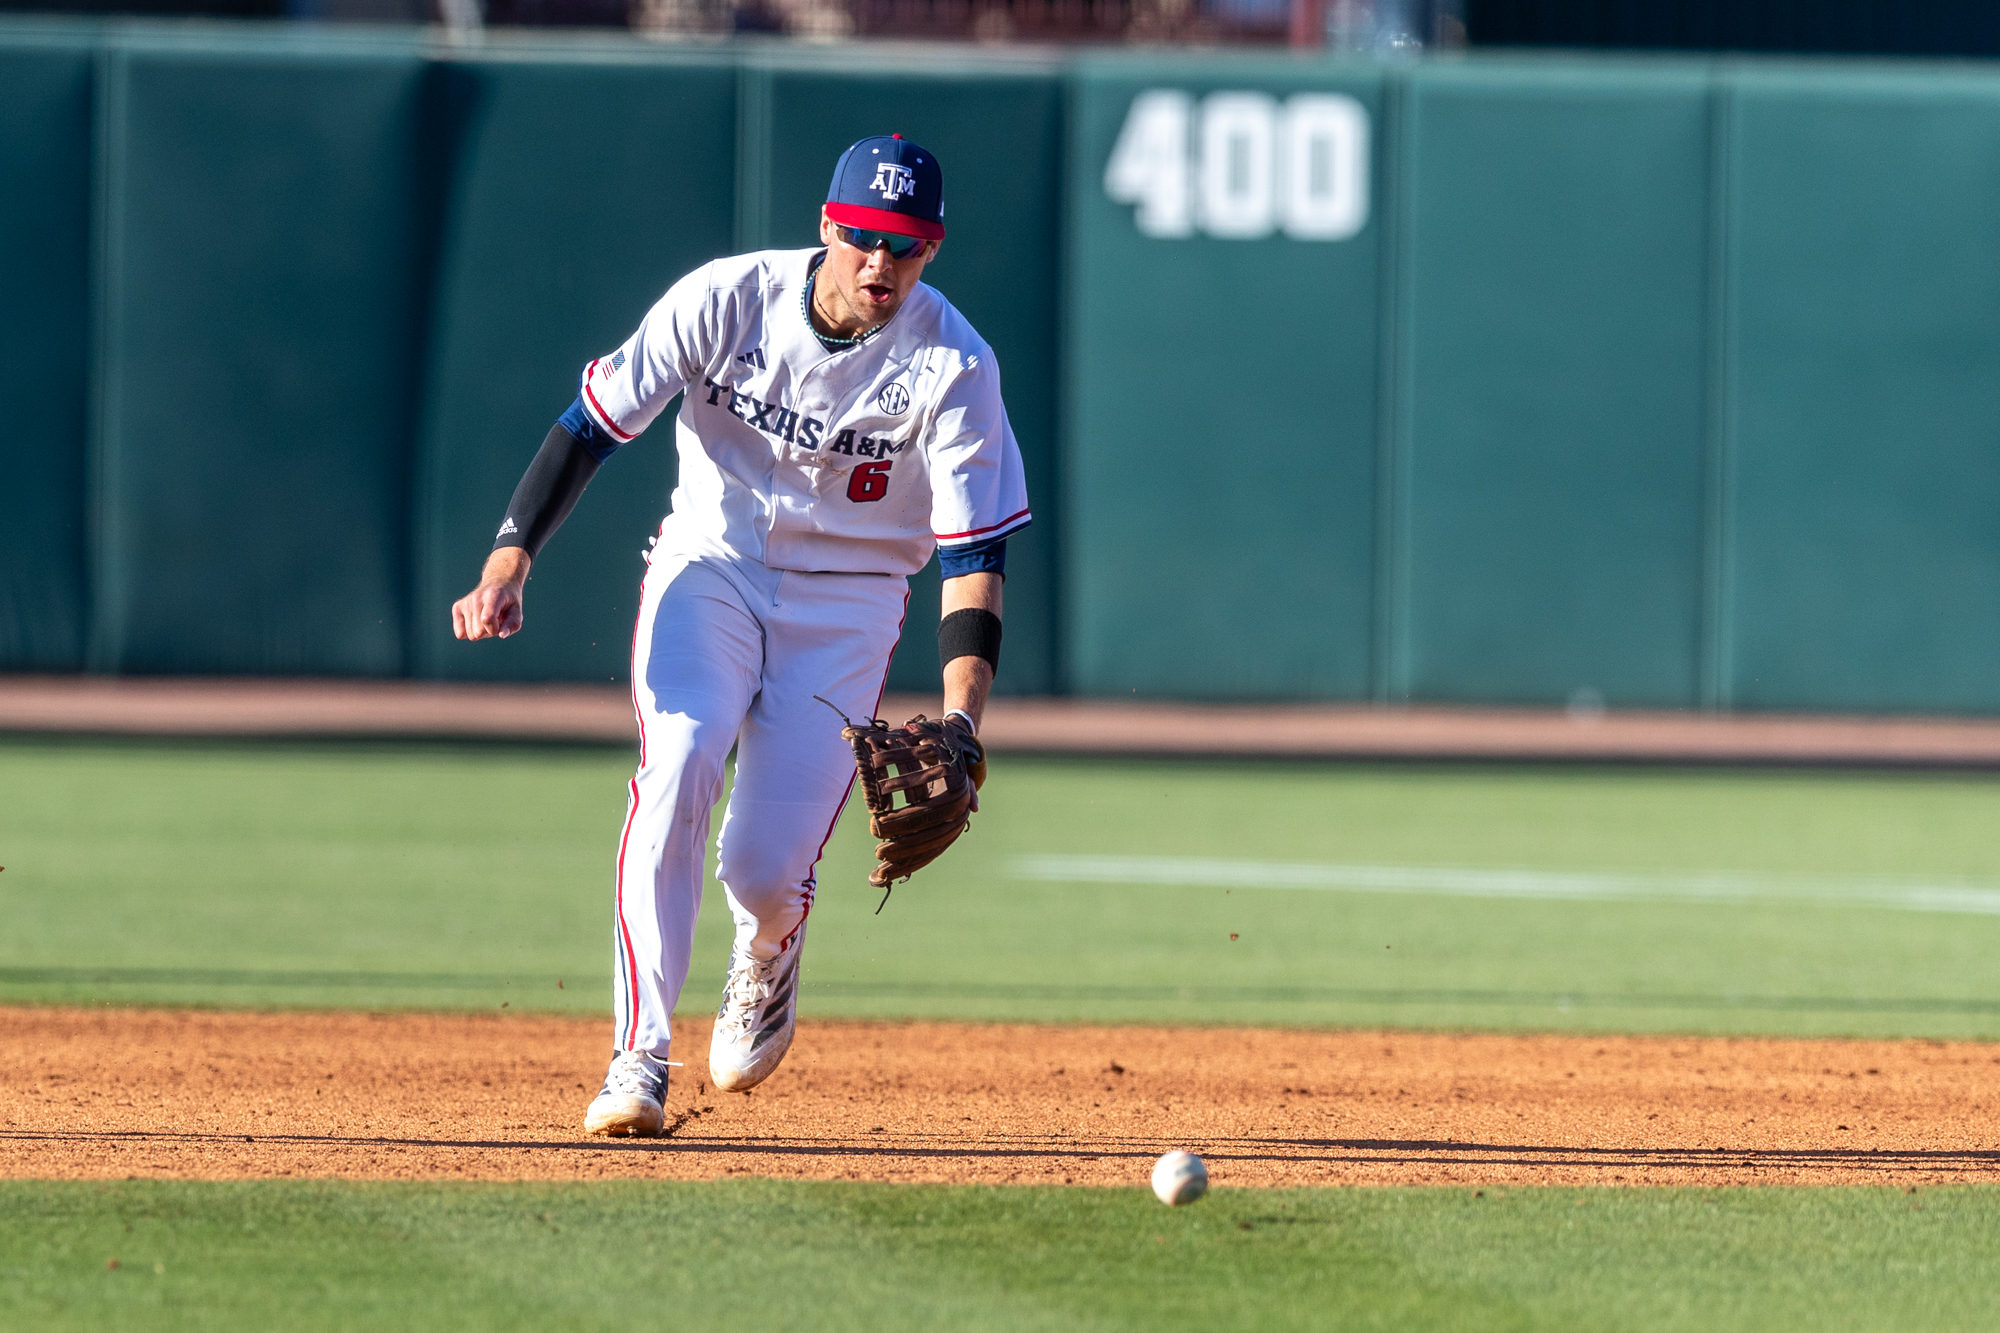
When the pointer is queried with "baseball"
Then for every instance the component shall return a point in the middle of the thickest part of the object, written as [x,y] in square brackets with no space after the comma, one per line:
[1179,1178]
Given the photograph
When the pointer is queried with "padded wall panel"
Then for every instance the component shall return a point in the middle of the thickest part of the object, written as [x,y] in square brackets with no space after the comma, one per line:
[1864,561]
[580,193]
[1221,423]
[267,244]
[1555,383]
[45,171]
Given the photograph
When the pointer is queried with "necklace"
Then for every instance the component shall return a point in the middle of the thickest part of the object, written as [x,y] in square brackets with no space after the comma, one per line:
[805,309]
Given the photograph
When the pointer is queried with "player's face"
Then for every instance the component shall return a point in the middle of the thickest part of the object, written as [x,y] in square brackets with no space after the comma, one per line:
[873,284]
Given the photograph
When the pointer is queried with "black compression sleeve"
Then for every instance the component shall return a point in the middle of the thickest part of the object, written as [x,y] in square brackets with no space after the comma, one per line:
[549,489]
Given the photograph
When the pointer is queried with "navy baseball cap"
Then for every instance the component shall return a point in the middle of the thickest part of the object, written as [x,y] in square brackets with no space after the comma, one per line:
[888,184]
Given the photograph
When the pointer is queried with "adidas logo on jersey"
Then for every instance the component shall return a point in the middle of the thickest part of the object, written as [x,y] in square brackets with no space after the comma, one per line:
[753,357]
[506,529]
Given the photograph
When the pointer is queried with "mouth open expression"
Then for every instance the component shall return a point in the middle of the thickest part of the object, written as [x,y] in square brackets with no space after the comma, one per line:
[871,284]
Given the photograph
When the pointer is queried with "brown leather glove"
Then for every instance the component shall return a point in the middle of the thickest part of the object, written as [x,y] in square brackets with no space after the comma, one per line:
[921,784]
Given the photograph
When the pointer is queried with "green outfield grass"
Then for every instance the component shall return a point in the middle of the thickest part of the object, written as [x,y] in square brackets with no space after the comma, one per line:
[472,877]
[730,1255]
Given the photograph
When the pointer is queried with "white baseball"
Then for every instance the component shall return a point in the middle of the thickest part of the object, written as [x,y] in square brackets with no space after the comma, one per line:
[1179,1178]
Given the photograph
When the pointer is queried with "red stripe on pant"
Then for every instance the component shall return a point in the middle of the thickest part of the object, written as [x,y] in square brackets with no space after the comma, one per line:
[631,1038]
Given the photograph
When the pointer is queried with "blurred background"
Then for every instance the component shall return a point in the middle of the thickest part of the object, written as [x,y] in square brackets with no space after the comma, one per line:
[1852,27]
[1364,350]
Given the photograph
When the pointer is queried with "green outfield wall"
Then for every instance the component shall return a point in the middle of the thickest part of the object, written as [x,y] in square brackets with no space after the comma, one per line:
[562,224]
[45,220]
[1513,379]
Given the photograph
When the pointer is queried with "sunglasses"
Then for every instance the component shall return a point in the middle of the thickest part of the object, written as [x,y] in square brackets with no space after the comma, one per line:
[899,246]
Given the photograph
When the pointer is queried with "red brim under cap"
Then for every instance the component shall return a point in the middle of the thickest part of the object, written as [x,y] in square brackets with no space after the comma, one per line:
[881,219]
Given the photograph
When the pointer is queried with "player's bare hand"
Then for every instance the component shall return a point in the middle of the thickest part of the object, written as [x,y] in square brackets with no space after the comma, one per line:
[493,609]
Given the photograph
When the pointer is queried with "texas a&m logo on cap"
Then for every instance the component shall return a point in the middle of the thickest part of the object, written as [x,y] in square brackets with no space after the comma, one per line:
[892,181]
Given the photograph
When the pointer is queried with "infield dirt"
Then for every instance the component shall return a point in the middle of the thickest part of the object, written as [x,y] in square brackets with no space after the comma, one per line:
[100,1093]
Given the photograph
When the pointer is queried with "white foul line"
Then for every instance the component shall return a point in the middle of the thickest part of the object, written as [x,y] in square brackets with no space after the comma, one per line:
[1467,882]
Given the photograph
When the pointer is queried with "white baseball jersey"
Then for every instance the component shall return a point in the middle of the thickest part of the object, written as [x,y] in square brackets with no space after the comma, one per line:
[859,460]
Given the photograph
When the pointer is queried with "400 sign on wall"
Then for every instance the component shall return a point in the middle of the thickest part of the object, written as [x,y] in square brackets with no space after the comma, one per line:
[1243,165]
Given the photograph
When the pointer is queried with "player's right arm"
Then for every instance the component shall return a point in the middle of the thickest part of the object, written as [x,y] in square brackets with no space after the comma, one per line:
[493,609]
[549,489]
[620,396]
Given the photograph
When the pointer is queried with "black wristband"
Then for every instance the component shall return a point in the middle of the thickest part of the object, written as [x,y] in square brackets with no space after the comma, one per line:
[549,489]
[973,632]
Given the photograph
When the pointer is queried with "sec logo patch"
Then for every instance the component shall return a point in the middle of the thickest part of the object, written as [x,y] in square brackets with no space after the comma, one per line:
[894,399]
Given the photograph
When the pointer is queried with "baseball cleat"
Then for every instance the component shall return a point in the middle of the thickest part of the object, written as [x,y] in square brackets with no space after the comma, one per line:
[753,1029]
[633,1102]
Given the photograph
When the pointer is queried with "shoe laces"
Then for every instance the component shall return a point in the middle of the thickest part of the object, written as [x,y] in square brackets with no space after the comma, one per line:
[750,984]
[631,1076]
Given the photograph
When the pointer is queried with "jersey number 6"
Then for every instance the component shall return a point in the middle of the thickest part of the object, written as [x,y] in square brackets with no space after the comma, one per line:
[868,482]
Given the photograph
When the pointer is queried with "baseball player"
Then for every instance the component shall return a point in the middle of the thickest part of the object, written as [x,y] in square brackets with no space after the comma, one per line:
[839,420]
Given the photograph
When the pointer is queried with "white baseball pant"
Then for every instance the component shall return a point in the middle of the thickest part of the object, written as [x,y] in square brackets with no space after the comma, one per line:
[728,651]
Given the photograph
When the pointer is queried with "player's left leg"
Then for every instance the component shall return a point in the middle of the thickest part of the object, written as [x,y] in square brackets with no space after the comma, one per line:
[697,658]
[829,635]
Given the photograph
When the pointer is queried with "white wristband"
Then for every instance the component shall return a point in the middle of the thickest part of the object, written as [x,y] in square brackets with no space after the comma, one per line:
[970,725]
